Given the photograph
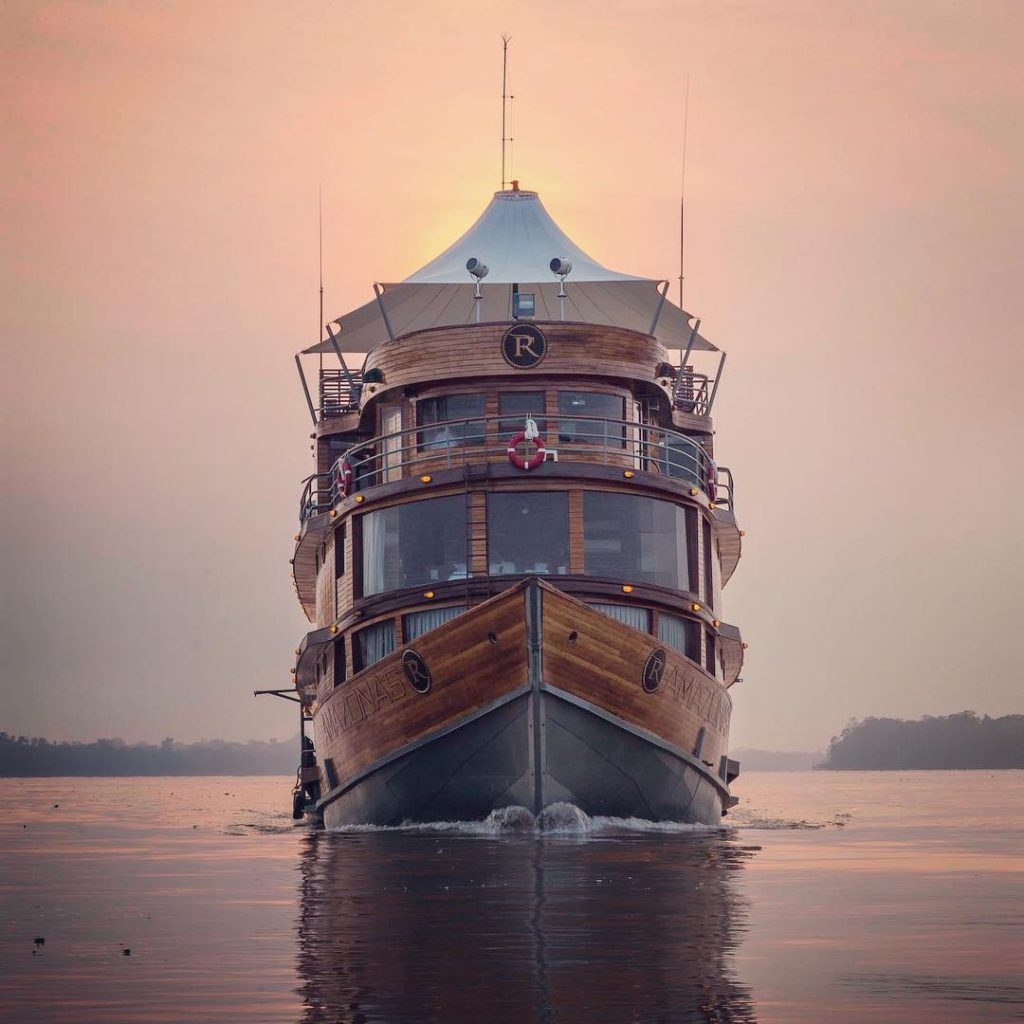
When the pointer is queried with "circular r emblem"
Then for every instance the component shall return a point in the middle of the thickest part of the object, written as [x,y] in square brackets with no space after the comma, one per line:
[523,346]
[654,668]
[416,671]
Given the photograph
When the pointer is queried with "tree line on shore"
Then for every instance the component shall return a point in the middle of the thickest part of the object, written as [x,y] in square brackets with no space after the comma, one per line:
[952,741]
[27,756]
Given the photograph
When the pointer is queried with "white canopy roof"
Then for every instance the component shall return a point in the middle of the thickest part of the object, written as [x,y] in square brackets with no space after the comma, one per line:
[516,239]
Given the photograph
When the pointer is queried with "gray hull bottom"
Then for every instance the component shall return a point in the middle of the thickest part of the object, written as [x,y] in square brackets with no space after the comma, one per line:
[493,762]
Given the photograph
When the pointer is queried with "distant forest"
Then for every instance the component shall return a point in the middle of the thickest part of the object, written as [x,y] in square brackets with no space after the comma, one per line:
[953,741]
[30,756]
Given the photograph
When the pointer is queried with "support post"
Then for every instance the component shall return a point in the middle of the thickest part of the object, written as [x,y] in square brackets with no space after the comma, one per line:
[337,352]
[689,344]
[305,388]
[718,380]
[661,302]
[379,292]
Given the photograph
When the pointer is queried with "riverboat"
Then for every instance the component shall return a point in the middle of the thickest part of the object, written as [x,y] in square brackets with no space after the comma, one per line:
[513,547]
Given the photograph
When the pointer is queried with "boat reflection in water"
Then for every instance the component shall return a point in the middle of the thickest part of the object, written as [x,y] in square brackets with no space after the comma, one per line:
[433,925]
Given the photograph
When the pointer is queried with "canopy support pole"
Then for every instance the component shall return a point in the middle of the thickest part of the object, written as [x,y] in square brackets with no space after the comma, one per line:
[283,694]
[305,389]
[337,351]
[718,380]
[689,344]
[661,302]
[379,292]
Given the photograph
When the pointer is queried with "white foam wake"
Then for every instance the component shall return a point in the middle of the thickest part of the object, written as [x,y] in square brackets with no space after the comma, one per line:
[555,819]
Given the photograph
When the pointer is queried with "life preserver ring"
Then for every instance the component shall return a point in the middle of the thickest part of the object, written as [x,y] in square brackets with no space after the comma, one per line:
[343,478]
[517,460]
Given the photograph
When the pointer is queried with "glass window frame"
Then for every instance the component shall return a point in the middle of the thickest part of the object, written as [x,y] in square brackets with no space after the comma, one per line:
[595,437]
[495,497]
[473,424]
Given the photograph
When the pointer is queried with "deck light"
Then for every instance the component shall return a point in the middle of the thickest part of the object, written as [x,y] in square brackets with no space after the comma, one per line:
[296,537]
[695,607]
[426,478]
[334,512]
[745,645]
[359,499]
[715,623]
[693,492]
[428,593]
[334,629]
[297,651]
[628,474]
[711,505]
[743,533]
[627,588]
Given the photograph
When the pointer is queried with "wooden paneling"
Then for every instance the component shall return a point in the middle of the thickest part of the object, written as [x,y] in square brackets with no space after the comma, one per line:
[458,353]
[605,663]
[377,711]
[576,536]
[478,533]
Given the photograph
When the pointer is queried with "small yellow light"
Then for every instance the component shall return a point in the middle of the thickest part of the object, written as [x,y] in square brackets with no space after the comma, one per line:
[428,593]
[743,533]
[628,474]
[745,645]
[297,651]
[334,629]
[296,538]
[426,478]
[359,499]
[627,588]
[695,607]
[334,512]
[715,623]
[693,492]
[711,504]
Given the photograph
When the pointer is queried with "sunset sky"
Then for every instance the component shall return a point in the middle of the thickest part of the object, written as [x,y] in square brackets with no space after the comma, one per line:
[855,216]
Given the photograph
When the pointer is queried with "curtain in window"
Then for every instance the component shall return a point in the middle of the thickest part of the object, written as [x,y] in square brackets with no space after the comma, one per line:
[417,623]
[682,634]
[376,642]
[374,531]
[628,615]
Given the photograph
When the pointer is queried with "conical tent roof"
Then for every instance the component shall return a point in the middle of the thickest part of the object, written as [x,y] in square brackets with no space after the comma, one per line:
[516,239]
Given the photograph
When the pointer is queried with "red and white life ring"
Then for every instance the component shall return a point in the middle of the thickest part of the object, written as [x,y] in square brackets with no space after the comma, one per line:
[343,478]
[517,460]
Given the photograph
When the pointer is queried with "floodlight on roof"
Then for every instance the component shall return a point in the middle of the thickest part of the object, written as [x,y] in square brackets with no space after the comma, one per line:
[561,268]
[477,268]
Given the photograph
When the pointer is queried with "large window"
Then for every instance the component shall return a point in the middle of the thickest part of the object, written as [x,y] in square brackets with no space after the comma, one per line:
[450,407]
[373,643]
[588,431]
[515,406]
[682,458]
[528,532]
[417,623]
[682,634]
[709,555]
[414,545]
[638,539]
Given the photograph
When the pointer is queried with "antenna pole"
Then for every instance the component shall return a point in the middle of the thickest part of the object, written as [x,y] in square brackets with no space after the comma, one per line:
[320,214]
[504,104]
[682,194]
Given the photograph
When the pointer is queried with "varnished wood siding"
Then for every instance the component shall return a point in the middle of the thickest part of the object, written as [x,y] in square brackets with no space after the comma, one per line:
[605,666]
[457,353]
[378,712]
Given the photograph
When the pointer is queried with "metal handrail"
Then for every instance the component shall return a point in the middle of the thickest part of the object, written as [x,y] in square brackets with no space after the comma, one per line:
[340,391]
[474,440]
[692,392]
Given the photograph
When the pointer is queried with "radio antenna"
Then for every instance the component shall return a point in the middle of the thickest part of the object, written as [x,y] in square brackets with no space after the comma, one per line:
[504,105]
[682,195]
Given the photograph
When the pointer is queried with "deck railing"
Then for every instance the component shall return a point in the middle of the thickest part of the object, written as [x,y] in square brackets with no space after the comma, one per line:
[453,443]
[339,392]
[693,392]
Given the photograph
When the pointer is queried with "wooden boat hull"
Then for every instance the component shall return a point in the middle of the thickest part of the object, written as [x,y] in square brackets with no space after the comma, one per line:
[533,699]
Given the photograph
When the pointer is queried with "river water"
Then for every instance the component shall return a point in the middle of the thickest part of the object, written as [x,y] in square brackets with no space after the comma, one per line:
[830,897]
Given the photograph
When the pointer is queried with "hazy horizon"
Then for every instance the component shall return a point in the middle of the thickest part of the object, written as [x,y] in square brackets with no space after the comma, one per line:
[855,215]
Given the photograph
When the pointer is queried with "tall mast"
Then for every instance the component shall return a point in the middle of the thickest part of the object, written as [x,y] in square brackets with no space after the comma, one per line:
[682,194]
[504,105]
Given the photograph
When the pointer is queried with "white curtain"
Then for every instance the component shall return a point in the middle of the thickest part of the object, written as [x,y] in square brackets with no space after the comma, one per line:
[673,631]
[417,623]
[628,615]
[376,642]
[374,531]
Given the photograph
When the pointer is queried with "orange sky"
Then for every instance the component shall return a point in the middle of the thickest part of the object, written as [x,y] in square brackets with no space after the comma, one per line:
[854,225]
